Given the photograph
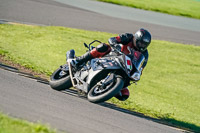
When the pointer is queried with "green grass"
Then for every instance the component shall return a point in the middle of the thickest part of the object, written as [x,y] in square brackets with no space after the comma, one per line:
[26,45]
[169,87]
[188,8]
[12,125]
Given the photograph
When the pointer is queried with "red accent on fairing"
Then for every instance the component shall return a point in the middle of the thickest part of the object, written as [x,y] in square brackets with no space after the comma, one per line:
[95,54]
[128,62]
[137,54]
[118,39]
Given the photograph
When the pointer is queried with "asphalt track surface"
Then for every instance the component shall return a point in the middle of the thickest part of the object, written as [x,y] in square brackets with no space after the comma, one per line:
[28,99]
[34,101]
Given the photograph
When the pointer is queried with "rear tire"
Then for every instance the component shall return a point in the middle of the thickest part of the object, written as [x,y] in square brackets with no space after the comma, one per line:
[58,82]
[113,89]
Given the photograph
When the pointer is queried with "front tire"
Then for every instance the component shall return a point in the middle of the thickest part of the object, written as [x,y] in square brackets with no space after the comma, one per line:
[60,80]
[96,95]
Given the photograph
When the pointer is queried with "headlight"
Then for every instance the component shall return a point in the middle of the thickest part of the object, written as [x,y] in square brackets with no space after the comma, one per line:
[136,76]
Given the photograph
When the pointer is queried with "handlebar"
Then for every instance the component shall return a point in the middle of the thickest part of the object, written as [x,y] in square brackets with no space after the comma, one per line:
[90,48]
[112,46]
[116,49]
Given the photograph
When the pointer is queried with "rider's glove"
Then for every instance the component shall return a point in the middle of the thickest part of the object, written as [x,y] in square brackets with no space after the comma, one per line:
[112,41]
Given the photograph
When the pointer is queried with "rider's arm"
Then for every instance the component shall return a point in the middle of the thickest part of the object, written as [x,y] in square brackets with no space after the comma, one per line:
[123,39]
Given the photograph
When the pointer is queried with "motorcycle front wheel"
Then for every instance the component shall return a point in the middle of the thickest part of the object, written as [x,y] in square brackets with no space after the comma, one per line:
[104,91]
[60,79]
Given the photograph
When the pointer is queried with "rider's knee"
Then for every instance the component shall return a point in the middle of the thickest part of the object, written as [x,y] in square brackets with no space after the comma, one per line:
[123,94]
[101,50]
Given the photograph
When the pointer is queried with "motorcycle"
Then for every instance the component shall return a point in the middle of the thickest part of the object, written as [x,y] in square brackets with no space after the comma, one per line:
[100,78]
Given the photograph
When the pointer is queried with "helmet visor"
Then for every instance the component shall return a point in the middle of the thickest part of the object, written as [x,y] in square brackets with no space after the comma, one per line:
[142,46]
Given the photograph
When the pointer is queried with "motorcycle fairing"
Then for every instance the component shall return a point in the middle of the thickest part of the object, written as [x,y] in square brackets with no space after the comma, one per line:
[101,64]
[84,77]
[138,60]
[79,78]
[128,63]
[104,63]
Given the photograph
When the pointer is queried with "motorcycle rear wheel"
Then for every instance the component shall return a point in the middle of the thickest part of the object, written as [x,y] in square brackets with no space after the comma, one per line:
[111,90]
[60,80]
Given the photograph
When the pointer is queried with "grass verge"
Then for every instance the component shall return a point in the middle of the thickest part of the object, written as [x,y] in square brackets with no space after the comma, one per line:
[11,125]
[169,88]
[187,8]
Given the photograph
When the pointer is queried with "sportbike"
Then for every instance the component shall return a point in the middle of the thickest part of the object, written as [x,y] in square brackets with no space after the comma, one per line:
[100,78]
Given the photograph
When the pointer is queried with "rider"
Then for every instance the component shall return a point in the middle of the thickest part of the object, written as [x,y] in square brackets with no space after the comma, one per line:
[139,42]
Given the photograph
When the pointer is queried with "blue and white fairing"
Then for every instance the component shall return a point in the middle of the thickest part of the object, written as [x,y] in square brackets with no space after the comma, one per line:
[104,63]
[101,64]
[138,60]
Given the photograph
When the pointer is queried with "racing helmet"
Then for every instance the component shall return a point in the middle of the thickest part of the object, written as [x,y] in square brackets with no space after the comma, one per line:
[142,39]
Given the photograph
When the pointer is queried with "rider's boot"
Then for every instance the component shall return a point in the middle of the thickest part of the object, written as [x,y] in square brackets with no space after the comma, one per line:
[101,50]
[81,59]
[123,94]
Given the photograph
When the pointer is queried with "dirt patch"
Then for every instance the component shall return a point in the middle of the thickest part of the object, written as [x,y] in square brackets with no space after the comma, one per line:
[8,62]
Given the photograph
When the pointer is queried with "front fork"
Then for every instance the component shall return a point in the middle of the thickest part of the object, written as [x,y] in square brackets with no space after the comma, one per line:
[70,56]
[74,82]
